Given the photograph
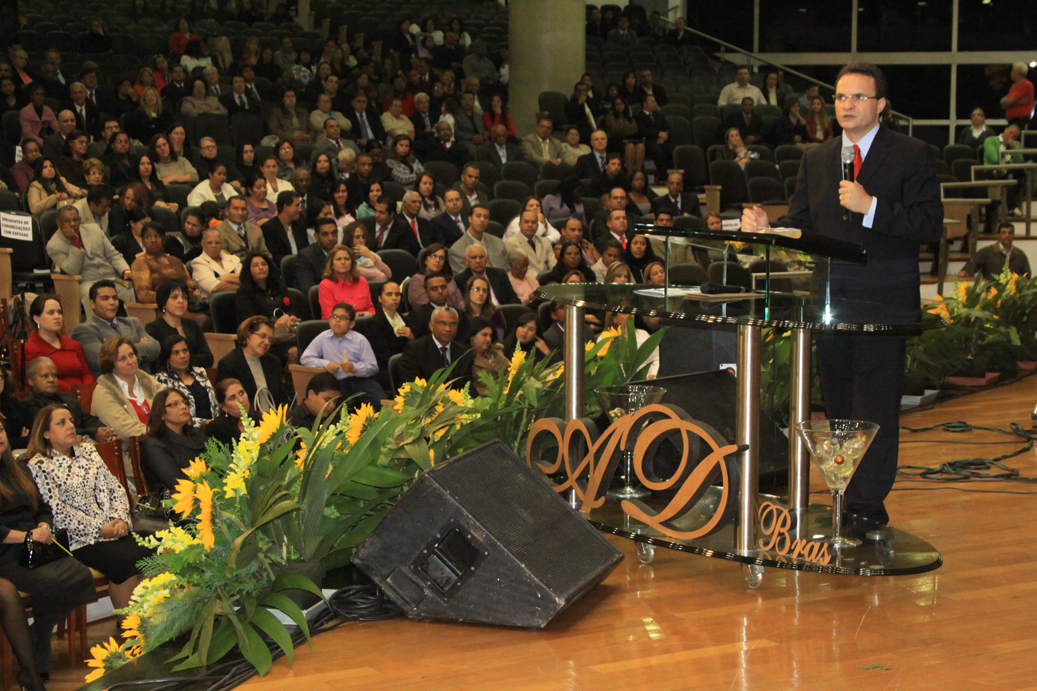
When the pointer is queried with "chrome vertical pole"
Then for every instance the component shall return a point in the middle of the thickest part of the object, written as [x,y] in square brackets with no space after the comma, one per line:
[799,410]
[747,432]
[573,357]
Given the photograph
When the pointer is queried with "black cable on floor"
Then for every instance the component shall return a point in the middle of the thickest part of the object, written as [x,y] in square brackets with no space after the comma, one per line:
[352,603]
[973,468]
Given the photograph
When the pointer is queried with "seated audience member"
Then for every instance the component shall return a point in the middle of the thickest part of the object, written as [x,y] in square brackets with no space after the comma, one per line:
[104,324]
[443,146]
[312,260]
[263,293]
[174,371]
[432,259]
[170,167]
[540,147]
[343,283]
[87,501]
[570,258]
[818,124]
[637,256]
[58,588]
[565,202]
[990,261]
[280,232]
[654,274]
[369,264]
[423,356]
[24,171]
[403,165]
[524,337]
[734,92]
[154,267]
[676,197]
[388,331]
[486,355]
[215,269]
[35,116]
[239,236]
[215,188]
[437,294]
[49,341]
[528,241]
[252,364]
[172,441]
[523,282]
[83,250]
[544,229]
[747,124]
[652,125]
[347,355]
[172,297]
[341,203]
[611,251]
[554,336]
[476,265]
[94,208]
[572,149]
[41,377]
[608,179]
[791,127]
[260,208]
[124,393]
[992,148]
[431,204]
[479,304]
[619,273]
[131,243]
[232,399]
[618,320]
[493,247]
[736,149]
[976,133]
[452,224]
[322,394]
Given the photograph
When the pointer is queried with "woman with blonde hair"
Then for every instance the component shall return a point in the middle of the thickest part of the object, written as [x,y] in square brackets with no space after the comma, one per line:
[122,399]
[150,118]
[95,172]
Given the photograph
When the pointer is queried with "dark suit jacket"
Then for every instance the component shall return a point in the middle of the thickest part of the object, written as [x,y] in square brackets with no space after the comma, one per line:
[658,91]
[649,126]
[426,231]
[689,203]
[230,102]
[488,152]
[446,229]
[422,358]
[753,129]
[499,281]
[276,237]
[174,94]
[235,366]
[399,237]
[201,356]
[85,423]
[92,123]
[431,149]
[420,130]
[164,459]
[374,119]
[900,172]
[421,316]
[601,184]
[309,267]
[587,167]
[384,341]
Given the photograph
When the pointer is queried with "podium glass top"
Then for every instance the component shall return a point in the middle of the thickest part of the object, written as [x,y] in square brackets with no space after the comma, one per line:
[776,309]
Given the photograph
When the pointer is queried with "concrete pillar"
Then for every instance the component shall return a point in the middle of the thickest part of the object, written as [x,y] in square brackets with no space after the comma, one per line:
[546,40]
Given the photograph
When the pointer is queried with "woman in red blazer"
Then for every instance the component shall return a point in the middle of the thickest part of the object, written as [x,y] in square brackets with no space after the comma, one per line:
[48,341]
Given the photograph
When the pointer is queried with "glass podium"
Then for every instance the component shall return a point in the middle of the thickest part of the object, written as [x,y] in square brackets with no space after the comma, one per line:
[756,530]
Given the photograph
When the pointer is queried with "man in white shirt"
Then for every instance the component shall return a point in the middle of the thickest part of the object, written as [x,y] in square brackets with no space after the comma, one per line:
[348,356]
[617,225]
[215,269]
[611,252]
[733,93]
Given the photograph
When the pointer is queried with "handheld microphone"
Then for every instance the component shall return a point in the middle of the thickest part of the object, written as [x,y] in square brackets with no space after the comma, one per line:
[847,158]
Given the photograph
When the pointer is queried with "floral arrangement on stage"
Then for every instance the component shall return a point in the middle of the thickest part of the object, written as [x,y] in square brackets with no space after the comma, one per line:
[260,522]
[991,326]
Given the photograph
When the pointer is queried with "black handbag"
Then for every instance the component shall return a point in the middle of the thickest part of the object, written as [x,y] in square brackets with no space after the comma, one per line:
[39,554]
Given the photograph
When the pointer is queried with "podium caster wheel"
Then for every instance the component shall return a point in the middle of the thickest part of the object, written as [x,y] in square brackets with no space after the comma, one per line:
[645,552]
[752,574]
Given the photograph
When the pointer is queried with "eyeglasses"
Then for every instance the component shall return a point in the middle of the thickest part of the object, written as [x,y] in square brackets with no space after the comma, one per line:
[445,325]
[340,317]
[856,98]
[478,289]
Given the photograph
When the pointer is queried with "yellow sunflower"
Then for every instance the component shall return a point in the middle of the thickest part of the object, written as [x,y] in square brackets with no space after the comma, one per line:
[234,484]
[607,336]
[101,653]
[273,420]
[184,496]
[204,494]
[940,309]
[516,362]
[300,457]
[357,420]
[196,468]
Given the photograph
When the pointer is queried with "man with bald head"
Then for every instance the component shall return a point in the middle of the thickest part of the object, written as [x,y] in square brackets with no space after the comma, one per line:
[536,248]
[54,144]
[441,147]
[476,264]
[593,164]
[421,228]
[499,150]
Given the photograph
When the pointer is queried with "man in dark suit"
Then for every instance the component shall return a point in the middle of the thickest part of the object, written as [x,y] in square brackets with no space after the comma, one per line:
[653,126]
[676,199]
[647,88]
[437,291]
[476,260]
[176,88]
[679,35]
[451,225]
[499,150]
[891,208]
[424,356]
[390,232]
[41,375]
[309,267]
[424,121]
[748,124]
[441,147]
[366,124]
[593,164]
[238,101]
[280,232]
[610,178]
[421,228]
[359,183]
[88,117]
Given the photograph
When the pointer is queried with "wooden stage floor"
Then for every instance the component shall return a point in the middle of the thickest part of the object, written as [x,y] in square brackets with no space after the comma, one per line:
[689,622]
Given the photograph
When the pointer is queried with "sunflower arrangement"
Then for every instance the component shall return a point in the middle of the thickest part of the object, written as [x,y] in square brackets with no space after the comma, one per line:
[269,515]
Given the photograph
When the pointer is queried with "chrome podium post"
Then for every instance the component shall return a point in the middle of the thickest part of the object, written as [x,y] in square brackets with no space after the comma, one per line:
[799,410]
[573,357]
[747,432]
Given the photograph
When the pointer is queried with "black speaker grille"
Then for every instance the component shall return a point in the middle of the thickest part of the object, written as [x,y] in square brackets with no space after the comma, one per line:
[508,500]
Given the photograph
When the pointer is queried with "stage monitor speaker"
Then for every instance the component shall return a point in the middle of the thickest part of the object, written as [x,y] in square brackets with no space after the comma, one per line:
[483,539]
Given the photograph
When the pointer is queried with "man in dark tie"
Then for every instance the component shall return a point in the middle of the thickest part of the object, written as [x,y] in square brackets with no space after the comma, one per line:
[88,117]
[451,225]
[238,101]
[249,75]
[747,122]
[892,206]
[424,121]
[391,232]
[366,125]
[499,150]
[330,139]
[442,147]
[424,356]
[593,164]
[104,324]
[176,88]
[653,126]
[421,228]
[676,199]
[211,75]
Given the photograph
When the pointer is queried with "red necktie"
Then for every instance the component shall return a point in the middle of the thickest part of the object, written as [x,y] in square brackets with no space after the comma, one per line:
[414,227]
[623,241]
[381,236]
[857,161]
[532,246]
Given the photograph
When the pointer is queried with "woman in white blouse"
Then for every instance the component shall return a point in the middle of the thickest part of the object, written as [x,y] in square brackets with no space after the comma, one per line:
[274,185]
[87,501]
[122,399]
[215,189]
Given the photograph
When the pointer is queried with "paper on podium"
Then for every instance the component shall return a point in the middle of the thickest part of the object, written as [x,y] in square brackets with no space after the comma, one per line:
[787,232]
